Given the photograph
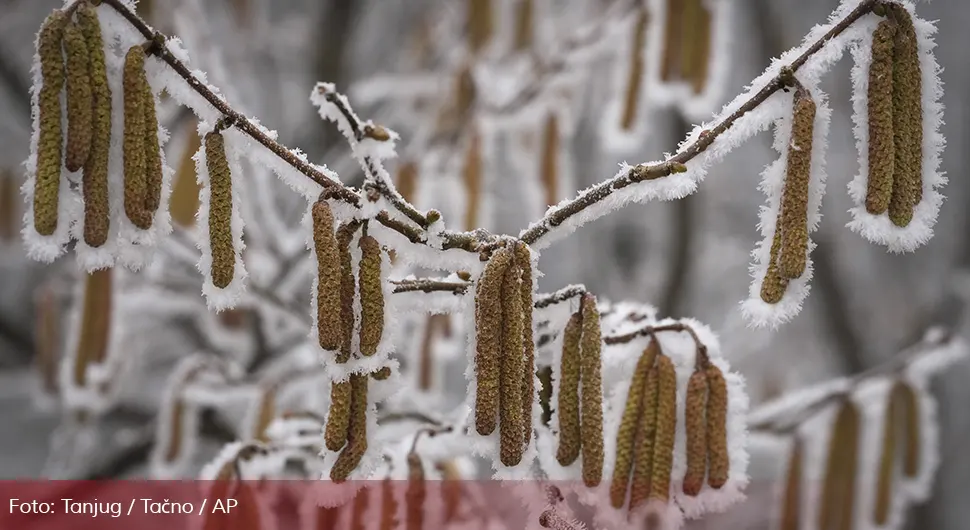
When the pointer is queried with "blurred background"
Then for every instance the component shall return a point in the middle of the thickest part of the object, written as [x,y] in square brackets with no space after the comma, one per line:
[687,258]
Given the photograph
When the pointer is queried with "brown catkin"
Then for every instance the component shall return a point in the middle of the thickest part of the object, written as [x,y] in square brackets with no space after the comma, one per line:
[880,109]
[512,372]
[153,154]
[549,170]
[415,494]
[663,446]
[718,458]
[473,179]
[388,506]
[265,414]
[360,504]
[524,22]
[94,183]
[184,202]
[591,423]
[887,461]
[134,149]
[837,500]
[626,433]
[673,27]
[47,322]
[632,95]
[908,401]
[907,121]
[488,334]
[524,256]
[695,423]
[220,211]
[8,206]
[644,442]
[381,374]
[329,330]
[356,431]
[174,447]
[95,330]
[79,102]
[371,296]
[794,200]
[790,518]
[338,421]
[570,439]
[689,36]
[774,285]
[479,24]
[49,135]
[451,489]
[345,235]
[406,181]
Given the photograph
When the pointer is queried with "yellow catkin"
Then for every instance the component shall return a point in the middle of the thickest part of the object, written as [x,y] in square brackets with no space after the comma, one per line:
[524,22]
[153,154]
[511,424]
[95,330]
[371,296]
[524,257]
[265,414]
[220,211]
[78,92]
[388,506]
[133,78]
[701,51]
[591,423]
[773,286]
[790,518]
[345,235]
[631,98]
[907,121]
[94,183]
[887,461]
[663,445]
[643,444]
[673,26]
[49,135]
[329,329]
[47,338]
[718,458]
[880,109]
[626,433]
[184,202]
[549,164]
[910,423]
[338,421]
[570,439]
[480,24]
[356,432]
[794,199]
[488,333]
[695,423]
[359,510]
[473,179]
[837,500]
[415,494]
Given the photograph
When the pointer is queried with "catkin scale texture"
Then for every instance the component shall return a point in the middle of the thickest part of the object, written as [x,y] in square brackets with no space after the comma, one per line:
[666,423]
[907,121]
[591,379]
[356,431]
[94,181]
[153,155]
[220,211]
[524,257]
[644,442]
[79,103]
[371,296]
[345,235]
[335,435]
[488,334]
[626,433]
[774,285]
[49,136]
[329,330]
[794,201]
[719,463]
[570,439]
[512,371]
[881,154]
[134,149]
[695,424]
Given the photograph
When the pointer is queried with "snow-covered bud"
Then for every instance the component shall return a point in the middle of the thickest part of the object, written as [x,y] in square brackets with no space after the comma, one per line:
[663,445]
[329,329]
[907,121]
[837,497]
[511,424]
[78,89]
[220,209]
[371,296]
[794,200]
[631,99]
[49,138]
[345,235]
[338,421]
[880,110]
[717,411]
[570,439]
[356,431]
[488,333]
[415,494]
[591,424]
[695,423]
[549,171]
[643,445]
[95,177]
[135,164]
[524,257]
[773,286]
[629,422]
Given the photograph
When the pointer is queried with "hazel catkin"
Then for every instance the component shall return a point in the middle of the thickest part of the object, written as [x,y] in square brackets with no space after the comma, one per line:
[95,329]
[591,379]
[223,265]
[905,395]
[356,431]
[511,420]
[837,497]
[49,135]
[626,433]
[415,494]
[134,149]
[881,154]
[153,155]
[94,181]
[774,285]
[718,458]
[345,235]
[524,257]
[488,336]
[792,257]
[907,120]
[570,439]
[663,446]
[549,164]
[632,94]
[695,423]
[643,445]
[329,330]
[335,435]
[78,92]
[371,295]
[790,518]
[887,462]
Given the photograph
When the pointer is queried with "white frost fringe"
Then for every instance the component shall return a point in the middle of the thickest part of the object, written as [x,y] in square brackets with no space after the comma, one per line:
[880,229]
[758,312]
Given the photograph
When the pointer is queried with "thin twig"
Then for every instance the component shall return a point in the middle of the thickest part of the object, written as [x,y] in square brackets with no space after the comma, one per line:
[426,285]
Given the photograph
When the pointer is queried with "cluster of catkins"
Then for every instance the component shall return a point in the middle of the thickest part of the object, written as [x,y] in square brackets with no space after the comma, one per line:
[505,350]
[72,60]
[645,438]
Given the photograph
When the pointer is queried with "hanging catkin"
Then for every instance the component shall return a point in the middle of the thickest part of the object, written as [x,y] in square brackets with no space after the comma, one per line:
[887,460]
[451,489]
[359,511]
[790,518]
[524,257]
[793,215]
[512,372]
[134,148]
[689,36]
[626,434]
[718,458]
[220,211]
[345,236]
[695,423]
[8,206]
[631,99]
[371,296]
[663,446]
[880,109]
[388,506]
[338,420]
[591,417]
[488,333]
[94,183]
[472,178]
[406,181]
[699,59]
[415,494]
[570,439]
[95,329]
[837,501]
[549,170]
[265,414]
[774,285]
[79,103]
[479,24]
[907,120]
[524,22]
[153,155]
[49,136]
[673,27]
[356,431]
[643,445]
[47,322]
[908,405]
